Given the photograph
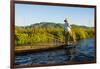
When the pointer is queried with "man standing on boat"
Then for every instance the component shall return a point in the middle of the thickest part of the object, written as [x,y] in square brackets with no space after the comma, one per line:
[68,31]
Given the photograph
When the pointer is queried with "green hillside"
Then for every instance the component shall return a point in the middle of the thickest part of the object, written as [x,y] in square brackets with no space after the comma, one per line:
[41,33]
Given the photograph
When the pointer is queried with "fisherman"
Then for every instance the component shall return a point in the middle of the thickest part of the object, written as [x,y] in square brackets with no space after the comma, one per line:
[68,31]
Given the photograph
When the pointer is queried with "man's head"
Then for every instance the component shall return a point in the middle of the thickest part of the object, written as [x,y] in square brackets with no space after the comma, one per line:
[65,20]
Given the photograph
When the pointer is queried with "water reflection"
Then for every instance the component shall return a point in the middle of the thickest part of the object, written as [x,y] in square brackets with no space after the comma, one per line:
[84,52]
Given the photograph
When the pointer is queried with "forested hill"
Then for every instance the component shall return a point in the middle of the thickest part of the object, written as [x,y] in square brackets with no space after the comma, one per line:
[52,24]
[38,33]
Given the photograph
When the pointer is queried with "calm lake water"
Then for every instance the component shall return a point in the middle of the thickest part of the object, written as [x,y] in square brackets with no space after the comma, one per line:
[85,53]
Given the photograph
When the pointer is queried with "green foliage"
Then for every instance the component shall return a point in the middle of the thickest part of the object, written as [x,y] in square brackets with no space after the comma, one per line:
[46,32]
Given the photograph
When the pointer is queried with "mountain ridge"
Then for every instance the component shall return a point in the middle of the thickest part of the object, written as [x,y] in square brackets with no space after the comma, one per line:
[52,24]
